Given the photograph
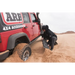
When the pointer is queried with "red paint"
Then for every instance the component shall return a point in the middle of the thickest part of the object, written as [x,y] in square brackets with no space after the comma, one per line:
[31,31]
[5,36]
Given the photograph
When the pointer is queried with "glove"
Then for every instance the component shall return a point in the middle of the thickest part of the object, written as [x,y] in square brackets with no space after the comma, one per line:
[49,35]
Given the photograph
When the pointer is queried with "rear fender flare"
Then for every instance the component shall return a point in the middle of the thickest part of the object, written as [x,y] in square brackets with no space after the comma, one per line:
[12,39]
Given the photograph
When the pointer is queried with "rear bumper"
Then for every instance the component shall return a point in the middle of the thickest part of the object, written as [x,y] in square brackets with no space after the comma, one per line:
[4,55]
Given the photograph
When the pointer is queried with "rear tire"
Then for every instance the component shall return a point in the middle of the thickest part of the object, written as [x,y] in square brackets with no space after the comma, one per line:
[24,51]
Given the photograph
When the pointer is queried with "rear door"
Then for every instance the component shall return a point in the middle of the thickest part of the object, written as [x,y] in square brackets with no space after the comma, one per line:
[35,25]
[28,26]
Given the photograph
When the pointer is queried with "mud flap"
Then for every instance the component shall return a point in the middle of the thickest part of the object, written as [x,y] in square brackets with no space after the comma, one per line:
[45,45]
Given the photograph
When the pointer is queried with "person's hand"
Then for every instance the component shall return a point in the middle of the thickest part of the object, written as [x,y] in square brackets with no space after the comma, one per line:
[48,45]
[42,38]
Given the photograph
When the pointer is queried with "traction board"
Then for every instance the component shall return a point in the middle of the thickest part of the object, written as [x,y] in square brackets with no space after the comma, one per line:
[45,44]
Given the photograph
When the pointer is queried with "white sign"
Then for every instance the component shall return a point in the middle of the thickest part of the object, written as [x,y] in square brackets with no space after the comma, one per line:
[17,26]
[12,27]
[6,28]
[12,15]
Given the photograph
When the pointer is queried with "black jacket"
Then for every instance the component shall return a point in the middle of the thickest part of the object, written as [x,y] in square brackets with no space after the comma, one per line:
[48,34]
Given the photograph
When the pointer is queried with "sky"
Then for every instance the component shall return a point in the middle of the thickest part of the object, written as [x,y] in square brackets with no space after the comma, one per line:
[59,21]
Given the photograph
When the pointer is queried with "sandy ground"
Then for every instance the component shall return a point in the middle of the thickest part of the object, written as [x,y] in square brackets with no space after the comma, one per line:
[63,52]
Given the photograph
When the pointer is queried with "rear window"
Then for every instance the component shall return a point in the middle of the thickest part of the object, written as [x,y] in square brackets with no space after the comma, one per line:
[12,18]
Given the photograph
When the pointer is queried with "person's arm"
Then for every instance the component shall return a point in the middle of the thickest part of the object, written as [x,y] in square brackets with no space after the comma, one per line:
[50,33]
[43,36]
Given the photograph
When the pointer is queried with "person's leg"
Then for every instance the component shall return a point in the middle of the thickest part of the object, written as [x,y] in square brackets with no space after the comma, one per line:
[49,42]
[55,42]
[52,42]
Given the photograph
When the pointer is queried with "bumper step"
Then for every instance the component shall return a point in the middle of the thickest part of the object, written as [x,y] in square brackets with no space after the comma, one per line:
[4,55]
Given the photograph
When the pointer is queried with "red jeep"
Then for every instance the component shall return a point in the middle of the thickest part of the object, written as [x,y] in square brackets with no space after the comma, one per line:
[17,28]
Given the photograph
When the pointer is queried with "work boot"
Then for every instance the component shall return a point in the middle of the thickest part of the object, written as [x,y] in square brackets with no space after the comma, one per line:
[55,43]
[51,49]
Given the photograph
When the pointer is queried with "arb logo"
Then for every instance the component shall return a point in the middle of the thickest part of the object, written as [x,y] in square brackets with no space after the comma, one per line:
[12,16]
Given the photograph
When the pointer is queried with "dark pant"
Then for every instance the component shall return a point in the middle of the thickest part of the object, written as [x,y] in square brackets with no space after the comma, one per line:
[52,41]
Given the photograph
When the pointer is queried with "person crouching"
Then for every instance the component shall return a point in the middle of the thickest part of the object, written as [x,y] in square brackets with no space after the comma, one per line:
[49,35]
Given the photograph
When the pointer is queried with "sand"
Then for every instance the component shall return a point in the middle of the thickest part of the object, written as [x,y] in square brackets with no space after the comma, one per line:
[63,52]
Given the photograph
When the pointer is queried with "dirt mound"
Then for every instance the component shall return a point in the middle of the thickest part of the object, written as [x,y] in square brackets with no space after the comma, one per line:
[63,52]
[49,56]
[68,32]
